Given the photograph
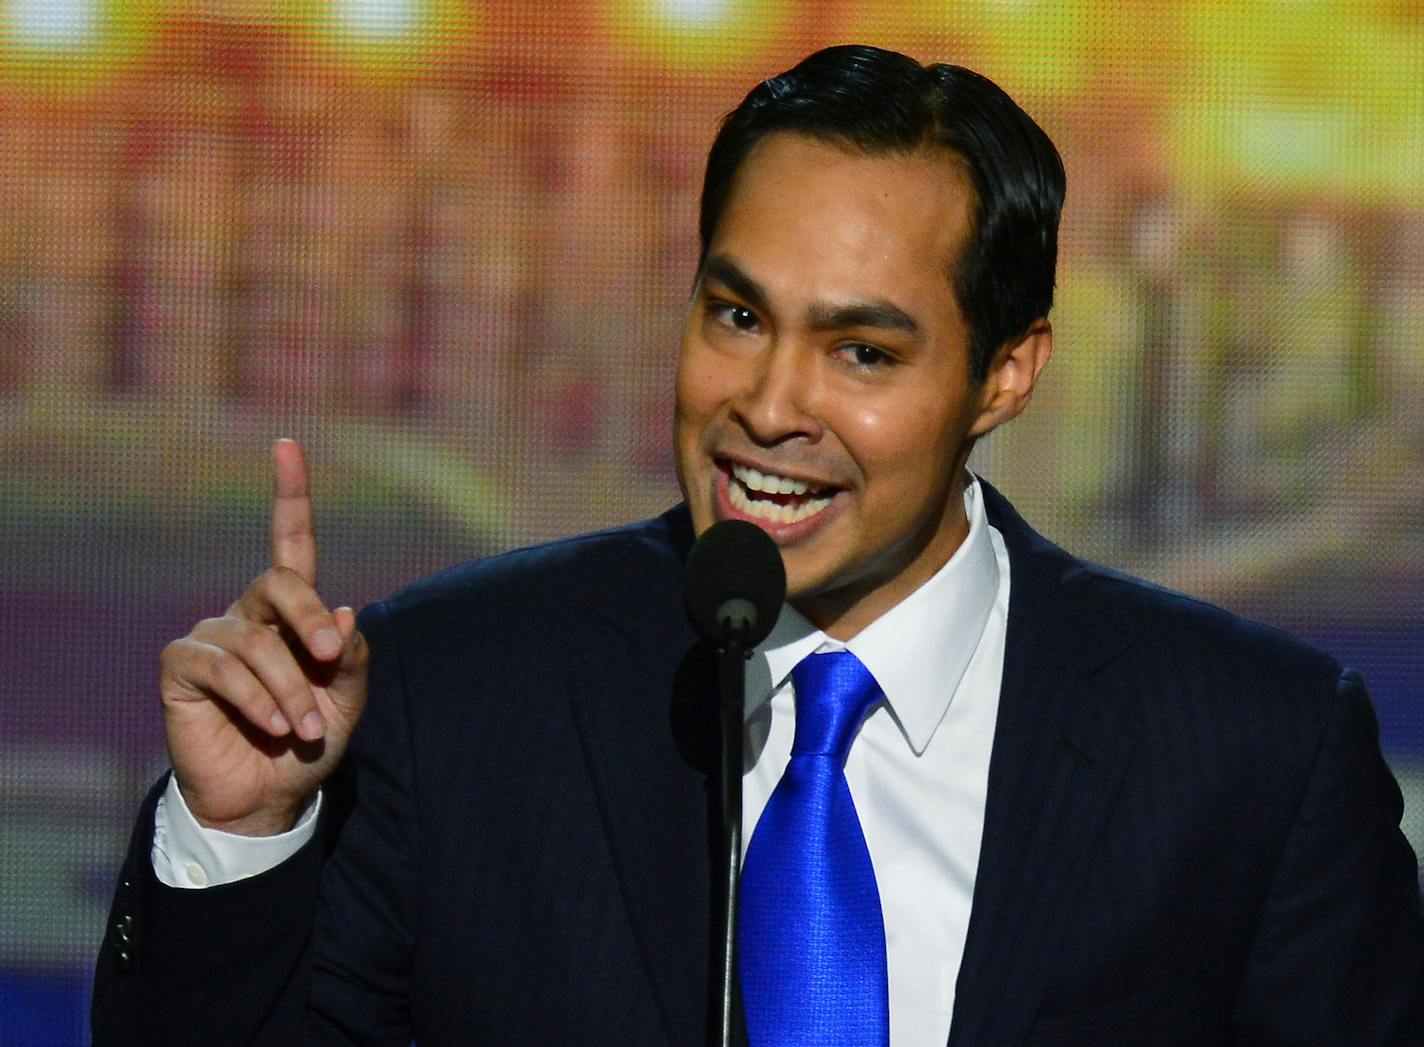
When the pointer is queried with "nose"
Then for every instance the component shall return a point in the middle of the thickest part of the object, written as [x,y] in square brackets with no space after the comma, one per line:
[778,397]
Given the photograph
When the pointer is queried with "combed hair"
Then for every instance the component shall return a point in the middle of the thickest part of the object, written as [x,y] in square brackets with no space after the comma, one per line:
[877,102]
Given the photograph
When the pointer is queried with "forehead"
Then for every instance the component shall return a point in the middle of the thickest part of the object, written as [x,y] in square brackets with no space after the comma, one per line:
[803,210]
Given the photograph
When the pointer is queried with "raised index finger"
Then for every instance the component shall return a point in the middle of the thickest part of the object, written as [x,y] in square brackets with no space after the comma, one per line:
[293,540]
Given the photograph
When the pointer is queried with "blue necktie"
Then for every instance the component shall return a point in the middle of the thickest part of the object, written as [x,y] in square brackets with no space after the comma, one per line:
[811,937]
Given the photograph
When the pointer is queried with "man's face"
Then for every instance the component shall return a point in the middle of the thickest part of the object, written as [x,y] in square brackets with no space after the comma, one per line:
[823,390]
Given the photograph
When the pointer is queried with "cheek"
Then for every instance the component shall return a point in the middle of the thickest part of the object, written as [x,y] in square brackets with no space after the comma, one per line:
[902,442]
[693,412]
[702,386]
[881,435]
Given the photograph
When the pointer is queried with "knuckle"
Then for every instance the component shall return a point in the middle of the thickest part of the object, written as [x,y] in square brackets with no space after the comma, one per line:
[207,627]
[268,582]
[173,652]
[218,665]
[284,577]
[228,679]
[180,658]
[291,595]
[254,643]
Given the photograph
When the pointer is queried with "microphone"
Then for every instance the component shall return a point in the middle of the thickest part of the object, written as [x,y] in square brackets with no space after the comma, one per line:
[734,585]
[733,589]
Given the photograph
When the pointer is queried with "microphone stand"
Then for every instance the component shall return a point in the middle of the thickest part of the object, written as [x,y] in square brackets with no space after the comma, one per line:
[731,656]
[734,586]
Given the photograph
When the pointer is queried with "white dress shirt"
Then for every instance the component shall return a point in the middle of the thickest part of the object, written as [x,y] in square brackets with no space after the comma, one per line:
[918,771]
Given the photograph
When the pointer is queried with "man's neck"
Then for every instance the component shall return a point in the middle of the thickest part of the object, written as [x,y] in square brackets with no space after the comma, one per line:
[844,612]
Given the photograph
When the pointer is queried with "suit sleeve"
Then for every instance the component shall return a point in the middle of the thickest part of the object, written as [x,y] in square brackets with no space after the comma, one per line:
[212,966]
[314,951]
[1338,954]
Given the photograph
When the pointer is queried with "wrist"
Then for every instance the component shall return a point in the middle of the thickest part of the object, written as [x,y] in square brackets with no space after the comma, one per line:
[258,823]
[270,820]
[188,855]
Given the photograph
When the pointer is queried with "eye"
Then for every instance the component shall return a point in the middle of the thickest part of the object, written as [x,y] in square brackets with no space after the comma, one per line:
[737,317]
[862,356]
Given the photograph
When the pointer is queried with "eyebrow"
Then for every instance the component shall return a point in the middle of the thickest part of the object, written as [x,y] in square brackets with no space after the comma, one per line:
[819,315]
[727,272]
[881,315]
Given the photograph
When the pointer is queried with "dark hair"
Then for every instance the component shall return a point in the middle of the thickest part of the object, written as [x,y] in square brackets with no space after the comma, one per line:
[879,101]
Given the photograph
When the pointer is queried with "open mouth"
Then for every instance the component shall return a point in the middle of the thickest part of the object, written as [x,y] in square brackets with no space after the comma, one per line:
[776,499]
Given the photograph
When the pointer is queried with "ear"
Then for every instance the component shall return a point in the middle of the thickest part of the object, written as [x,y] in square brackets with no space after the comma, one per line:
[1012,375]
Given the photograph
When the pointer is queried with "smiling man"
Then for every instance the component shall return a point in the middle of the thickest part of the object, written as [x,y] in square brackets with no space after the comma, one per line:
[995,795]
[827,388]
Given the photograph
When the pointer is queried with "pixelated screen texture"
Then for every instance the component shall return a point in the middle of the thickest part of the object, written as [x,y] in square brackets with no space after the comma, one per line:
[449,247]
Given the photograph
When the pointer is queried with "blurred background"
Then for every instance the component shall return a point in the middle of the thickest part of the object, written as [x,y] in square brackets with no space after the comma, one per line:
[449,244]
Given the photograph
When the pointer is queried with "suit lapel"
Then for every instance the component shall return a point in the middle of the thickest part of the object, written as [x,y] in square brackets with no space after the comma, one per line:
[645,708]
[643,698]
[1060,749]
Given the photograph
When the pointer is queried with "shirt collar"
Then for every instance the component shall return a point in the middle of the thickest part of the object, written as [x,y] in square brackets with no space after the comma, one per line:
[918,651]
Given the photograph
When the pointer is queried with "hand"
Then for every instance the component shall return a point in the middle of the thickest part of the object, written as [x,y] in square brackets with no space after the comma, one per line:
[258,705]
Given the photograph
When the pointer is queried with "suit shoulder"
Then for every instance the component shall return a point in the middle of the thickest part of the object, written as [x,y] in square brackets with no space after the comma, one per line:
[543,575]
[1154,612]
[1181,668]
[1096,613]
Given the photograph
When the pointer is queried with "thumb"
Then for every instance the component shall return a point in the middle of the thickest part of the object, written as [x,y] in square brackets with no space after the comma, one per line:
[345,622]
[348,682]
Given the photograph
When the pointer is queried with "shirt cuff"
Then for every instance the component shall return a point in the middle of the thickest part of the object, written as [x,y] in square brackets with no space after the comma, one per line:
[188,855]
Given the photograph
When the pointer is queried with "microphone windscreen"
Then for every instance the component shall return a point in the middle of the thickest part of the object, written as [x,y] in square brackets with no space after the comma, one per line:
[734,560]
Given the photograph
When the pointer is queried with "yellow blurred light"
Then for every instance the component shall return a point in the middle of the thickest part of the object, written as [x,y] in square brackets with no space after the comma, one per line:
[692,35]
[49,45]
[1267,103]
[385,36]
[52,24]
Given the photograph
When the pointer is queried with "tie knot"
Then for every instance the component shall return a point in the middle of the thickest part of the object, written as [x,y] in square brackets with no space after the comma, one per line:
[834,691]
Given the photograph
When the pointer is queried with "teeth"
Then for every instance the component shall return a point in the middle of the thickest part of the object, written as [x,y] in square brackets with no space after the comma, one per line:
[770,511]
[770,483]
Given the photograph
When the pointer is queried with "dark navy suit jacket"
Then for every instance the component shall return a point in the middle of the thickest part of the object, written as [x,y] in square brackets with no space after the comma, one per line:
[1190,834]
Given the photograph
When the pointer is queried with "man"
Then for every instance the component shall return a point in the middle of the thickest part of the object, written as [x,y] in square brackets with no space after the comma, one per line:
[1089,811]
